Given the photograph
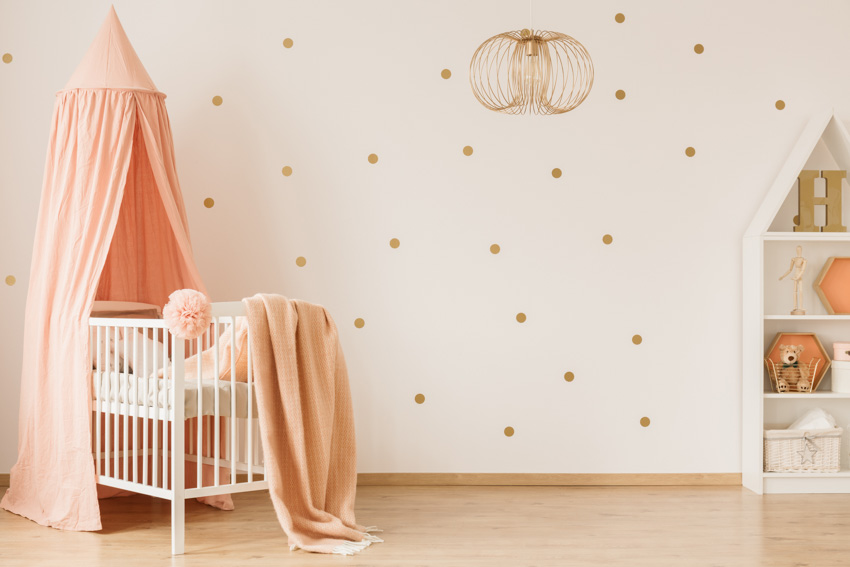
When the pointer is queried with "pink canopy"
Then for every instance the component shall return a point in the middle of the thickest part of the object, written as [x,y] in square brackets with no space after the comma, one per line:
[111,225]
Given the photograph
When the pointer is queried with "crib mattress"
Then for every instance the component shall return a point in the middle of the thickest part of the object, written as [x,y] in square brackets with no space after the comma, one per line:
[122,388]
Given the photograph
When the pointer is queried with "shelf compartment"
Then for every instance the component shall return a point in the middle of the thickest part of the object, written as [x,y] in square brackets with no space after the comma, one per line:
[812,396]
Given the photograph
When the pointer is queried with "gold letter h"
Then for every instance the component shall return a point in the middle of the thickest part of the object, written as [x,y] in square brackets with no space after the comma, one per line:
[832,201]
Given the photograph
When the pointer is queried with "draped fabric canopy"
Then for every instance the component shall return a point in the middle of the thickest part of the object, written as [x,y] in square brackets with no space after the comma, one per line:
[112,226]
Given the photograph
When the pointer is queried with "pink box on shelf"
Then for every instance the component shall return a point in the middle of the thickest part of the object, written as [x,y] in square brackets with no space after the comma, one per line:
[841,351]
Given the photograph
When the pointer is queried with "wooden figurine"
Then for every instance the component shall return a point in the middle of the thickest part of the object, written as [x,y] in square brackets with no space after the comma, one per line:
[798,266]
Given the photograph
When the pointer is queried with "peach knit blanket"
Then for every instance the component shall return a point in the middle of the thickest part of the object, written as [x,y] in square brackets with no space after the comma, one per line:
[306,424]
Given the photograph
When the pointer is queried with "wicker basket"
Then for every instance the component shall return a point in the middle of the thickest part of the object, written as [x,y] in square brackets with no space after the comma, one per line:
[786,449]
[774,370]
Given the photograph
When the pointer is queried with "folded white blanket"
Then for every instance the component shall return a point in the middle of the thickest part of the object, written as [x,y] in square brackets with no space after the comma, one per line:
[127,388]
[814,419]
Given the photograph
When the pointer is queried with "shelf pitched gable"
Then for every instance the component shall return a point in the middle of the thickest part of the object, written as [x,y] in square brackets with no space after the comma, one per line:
[826,127]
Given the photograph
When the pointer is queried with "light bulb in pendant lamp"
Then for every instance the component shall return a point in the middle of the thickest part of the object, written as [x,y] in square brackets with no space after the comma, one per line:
[531,72]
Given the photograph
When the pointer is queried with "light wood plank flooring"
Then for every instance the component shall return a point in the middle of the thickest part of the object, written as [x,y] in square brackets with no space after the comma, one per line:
[481,526]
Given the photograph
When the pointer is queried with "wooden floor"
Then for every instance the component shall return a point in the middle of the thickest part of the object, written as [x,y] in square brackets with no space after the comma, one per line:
[482,526]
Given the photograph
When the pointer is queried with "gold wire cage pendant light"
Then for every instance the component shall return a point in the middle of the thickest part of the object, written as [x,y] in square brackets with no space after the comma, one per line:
[523,72]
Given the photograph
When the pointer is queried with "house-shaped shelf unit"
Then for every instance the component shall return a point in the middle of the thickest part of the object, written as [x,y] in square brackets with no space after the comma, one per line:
[769,245]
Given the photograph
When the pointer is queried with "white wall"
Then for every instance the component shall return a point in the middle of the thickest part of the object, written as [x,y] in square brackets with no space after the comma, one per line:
[364,77]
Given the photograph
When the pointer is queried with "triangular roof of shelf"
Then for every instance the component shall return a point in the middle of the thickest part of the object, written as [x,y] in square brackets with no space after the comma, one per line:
[826,125]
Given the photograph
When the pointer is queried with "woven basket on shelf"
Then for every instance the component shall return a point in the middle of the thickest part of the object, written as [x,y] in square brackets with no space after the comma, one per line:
[786,449]
[775,370]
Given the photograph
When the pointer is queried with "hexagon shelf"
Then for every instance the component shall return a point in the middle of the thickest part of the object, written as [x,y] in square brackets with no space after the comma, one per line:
[813,351]
[833,285]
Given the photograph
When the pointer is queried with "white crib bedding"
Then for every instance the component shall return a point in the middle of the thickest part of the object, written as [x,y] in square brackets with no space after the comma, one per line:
[115,386]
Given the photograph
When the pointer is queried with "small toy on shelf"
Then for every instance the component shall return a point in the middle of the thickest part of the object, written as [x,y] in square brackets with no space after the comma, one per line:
[796,363]
[798,266]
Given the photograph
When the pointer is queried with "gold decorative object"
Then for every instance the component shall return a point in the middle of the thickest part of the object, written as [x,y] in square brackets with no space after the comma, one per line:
[832,201]
[495,249]
[569,376]
[287,43]
[619,18]
[620,94]
[607,239]
[644,421]
[217,100]
[509,431]
[780,104]
[209,203]
[446,74]
[373,158]
[419,399]
[10,280]
[287,171]
[698,48]
[637,339]
[7,58]
[520,317]
[556,173]
[524,72]
[394,243]
[301,261]
[359,323]
[690,152]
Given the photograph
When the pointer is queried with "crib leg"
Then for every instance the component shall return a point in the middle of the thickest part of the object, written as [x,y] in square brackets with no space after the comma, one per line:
[178,520]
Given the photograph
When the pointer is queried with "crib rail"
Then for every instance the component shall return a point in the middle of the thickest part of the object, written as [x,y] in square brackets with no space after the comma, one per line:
[145,432]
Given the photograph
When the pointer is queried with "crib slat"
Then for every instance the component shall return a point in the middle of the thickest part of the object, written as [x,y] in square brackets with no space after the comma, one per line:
[135,385]
[199,419]
[98,402]
[107,406]
[166,425]
[155,420]
[147,379]
[217,411]
[234,447]
[250,421]
[117,425]
[126,380]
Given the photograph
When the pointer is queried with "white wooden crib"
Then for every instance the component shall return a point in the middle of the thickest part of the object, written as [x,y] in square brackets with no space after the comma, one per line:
[134,414]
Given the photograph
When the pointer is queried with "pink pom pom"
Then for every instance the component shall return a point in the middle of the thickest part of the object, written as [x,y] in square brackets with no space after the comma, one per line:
[187,314]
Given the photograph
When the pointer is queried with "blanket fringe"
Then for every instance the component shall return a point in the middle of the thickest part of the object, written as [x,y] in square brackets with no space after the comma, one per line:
[351,547]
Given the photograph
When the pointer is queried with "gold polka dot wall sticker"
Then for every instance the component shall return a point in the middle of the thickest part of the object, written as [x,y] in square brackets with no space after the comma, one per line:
[690,151]
[569,376]
[217,100]
[467,150]
[637,339]
[780,105]
[619,18]
[607,239]
[698,49]
[446,74]
[288,43]
[7,58]
[209,202]
[286,171]
[495,249]
[419,398]
[644,421]
[359,323]
[520,317]
[556,173]
[10,280]
[509,431]
[372,158]
[395,243]
[620,94]
[301,261]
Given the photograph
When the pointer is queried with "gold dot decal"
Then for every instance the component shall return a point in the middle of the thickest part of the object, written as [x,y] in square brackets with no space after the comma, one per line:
[209,203]
[394,243]
[7,58]
[607,239]
[467,150]
[446,74]
[644,421]
[797,219]
[621,94]
[556,173]
[373,158]
[301,261]
[690,152]
[419,399]
[217,100]
[637,339]
[520,317]
[287,171]
[698,48]
[359,323]
[569,376]
[495,249]
[288,43]
[619,18]
[509,431]
[10,280]
[780,104]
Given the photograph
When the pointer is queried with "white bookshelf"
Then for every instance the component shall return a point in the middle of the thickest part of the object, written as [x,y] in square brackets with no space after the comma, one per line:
[769,245]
